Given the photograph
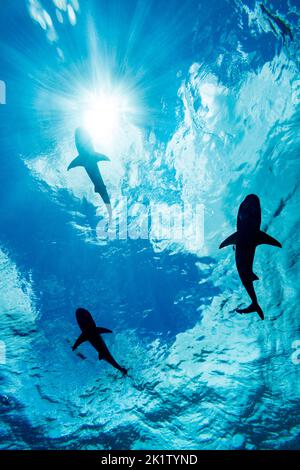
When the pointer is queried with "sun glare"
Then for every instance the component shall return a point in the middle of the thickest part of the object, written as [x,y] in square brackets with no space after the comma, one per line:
[103,116]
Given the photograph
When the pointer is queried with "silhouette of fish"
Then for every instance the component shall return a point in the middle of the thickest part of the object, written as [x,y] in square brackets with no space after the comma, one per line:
[247,237]
[89,159]
[92,334]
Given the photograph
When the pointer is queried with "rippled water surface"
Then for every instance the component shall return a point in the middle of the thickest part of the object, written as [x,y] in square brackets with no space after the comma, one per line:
[212,114]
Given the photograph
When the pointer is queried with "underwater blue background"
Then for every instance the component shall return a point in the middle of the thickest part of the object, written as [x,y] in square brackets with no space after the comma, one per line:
[217,85]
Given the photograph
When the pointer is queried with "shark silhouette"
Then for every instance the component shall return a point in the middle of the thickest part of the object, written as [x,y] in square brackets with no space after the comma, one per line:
[92,333]
[283,27]
[247,237]
[89,159]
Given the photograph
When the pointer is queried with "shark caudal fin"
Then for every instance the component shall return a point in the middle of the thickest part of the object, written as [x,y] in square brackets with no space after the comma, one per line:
[231,240]
[265,239]
[251,309]
[260,312]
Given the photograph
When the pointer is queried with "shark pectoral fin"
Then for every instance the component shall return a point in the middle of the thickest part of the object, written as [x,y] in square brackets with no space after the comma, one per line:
[101,330]
[265,239]
[81,339]
[101,158]
[74,163]
[231,240]
[254,277]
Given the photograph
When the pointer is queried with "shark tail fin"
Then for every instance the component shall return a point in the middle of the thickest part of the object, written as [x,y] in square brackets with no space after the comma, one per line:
[231,240]
[265,239]
[254,307]
[260,312]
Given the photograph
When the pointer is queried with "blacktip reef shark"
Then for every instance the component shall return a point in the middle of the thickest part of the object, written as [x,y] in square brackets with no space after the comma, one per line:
[92,333]
[247,237]
[89,159]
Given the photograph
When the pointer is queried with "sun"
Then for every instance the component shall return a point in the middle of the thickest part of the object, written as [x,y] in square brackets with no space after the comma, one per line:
[103,116]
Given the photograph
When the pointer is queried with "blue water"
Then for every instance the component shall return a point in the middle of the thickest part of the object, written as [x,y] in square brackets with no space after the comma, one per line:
[215,87]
